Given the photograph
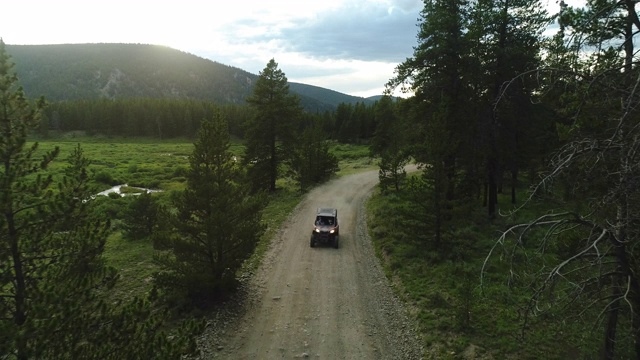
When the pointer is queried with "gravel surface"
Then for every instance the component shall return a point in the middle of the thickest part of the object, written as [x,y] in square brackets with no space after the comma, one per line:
[321,302]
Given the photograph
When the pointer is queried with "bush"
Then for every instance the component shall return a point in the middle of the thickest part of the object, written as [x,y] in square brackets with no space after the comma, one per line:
[141,217]
[311,161]
[105,177]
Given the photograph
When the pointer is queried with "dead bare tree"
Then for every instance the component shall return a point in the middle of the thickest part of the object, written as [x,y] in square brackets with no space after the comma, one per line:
[598,221]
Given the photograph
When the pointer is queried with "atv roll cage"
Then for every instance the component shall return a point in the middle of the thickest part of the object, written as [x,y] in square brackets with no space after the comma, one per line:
[326,229]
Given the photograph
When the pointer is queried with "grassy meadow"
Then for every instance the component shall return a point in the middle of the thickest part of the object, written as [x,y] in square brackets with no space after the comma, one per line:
[162,165]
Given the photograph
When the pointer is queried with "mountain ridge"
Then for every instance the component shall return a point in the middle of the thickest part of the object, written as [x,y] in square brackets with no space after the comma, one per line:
[110,70]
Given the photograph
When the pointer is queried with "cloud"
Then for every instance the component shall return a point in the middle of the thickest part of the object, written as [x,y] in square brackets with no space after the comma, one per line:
[350,46]
[367,31]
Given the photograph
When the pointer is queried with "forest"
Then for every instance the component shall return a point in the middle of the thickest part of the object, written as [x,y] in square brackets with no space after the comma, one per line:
[527,126]
[523,216]
[180,118]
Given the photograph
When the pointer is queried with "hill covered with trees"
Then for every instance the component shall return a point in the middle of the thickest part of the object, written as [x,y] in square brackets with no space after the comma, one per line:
[124,71]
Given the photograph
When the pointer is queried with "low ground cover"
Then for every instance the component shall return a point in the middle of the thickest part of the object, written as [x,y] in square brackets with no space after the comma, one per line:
[458,313]
[161,165]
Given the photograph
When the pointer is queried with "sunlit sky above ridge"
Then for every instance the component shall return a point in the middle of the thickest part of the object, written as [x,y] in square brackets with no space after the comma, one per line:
[351,46]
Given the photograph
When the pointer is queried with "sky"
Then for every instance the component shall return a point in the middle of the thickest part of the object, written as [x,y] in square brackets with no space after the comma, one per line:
[350,46]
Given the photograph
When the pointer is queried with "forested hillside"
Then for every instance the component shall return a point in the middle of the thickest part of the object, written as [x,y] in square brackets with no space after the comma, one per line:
[123,71]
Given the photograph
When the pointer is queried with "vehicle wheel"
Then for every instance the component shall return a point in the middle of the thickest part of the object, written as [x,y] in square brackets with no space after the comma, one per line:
[335,242]
[312,243]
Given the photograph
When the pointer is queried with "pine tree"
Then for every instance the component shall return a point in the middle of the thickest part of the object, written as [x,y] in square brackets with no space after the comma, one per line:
[270,135]
[217,225]
[53,279]
[311,160]
[438,74]
[506,37]
[390,144]
[142,216]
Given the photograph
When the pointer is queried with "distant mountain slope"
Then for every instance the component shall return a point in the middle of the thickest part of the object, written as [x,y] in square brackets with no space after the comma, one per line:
[327,96]
[84,71]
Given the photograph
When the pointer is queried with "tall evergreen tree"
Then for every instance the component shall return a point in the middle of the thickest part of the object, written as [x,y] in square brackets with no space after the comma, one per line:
[390,144]
[311,160]
[217,225]
[270,135]
[142,216]
[437,74]
[344,127]
[53,279]
[507,38]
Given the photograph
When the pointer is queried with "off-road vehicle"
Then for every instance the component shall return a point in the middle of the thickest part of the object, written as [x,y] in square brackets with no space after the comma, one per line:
[326,229]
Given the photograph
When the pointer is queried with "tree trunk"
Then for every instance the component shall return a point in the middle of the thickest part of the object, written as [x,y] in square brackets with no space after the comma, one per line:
[20,297]
[449,167]
[273,165]
[438,227]
[623,204]
[493,189]
[635,325]
[514,182]
[485,193]
[437,202]
[612,322]
[493,163]
[493,198]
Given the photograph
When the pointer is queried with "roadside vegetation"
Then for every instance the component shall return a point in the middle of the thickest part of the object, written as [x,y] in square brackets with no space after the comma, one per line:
[518,236]
[464,303]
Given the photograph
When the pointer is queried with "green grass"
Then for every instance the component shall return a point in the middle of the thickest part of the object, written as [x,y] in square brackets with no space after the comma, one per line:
[155,164]
[281,204]
[158,164]
[452,310]
[134,262]
[134,162]
[353,158]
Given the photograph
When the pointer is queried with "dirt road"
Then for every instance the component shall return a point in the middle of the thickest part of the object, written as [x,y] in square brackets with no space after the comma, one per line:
[321,303]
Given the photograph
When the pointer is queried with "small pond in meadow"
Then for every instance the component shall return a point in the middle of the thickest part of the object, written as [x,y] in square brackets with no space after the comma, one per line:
[131,190]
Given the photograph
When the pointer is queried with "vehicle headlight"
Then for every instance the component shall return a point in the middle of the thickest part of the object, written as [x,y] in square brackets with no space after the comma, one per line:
[332,231]
[316,230]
